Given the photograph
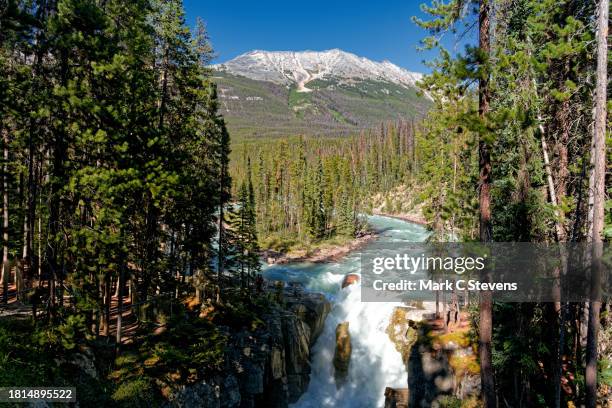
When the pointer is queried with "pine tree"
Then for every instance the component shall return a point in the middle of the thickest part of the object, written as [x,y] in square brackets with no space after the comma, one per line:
[118,156]
[346,222]
[314,207]
[540,86]
[252,242]
[238,246]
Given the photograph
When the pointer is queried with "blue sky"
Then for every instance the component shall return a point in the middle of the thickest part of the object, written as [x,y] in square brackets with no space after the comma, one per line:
[379,30]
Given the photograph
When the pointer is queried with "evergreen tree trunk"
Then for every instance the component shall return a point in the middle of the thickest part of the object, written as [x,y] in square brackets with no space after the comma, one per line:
[19,284]
[221,235]
[57,178]
[598,191]
[120,287]
[40,217]
[5,220]
[486,301]
[562,125]
[555,308]
[29,214]
[107,305]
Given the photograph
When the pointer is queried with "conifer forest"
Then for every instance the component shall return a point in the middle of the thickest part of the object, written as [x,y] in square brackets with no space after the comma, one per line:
[163,247]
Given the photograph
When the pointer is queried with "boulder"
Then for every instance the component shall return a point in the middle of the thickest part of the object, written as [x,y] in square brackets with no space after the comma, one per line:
[252,379]
[86,363]
[202,394]
[297,344]
[402,332]
[396,397]
[350,279]
[230,391]
[342,356]
[312,309]
[277,363]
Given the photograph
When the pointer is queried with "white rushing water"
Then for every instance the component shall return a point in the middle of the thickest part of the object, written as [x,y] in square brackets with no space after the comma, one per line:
[375,363]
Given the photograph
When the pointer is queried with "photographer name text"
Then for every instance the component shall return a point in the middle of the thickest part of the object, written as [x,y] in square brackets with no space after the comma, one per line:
[445,285]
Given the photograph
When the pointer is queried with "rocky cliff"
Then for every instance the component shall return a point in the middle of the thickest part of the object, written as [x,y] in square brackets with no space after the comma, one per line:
[266,368]
[441,364]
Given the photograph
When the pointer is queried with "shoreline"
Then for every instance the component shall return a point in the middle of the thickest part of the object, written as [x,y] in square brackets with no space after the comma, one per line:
[333,253]
[413,218]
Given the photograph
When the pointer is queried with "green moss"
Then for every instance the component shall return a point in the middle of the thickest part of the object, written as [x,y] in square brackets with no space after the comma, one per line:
[464,365]
[401,334]
[126,359]
[448,401]
[136,393]
[605,371]
[460,337]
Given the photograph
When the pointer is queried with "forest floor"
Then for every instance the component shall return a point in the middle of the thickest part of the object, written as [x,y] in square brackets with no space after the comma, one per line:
[13,308]
[436,327]
[12,290]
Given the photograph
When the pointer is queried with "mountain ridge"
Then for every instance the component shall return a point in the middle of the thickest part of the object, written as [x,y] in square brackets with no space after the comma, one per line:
[302,67]
[329,93]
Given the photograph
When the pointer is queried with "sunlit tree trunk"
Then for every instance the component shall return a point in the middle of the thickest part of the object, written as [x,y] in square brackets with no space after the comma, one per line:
[5,220]
[598,192]
[120,286]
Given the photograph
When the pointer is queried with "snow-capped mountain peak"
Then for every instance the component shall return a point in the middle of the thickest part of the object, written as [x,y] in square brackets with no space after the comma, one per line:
[300,68]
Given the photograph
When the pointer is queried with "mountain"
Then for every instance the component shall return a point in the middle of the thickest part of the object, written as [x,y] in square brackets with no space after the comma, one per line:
[331,92]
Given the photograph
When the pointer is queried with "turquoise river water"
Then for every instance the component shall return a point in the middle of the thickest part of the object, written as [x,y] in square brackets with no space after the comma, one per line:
[375,364]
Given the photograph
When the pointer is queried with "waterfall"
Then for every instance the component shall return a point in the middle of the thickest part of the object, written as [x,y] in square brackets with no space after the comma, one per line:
[375,363]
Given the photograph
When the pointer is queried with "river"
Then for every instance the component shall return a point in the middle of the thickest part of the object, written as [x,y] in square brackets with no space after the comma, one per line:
[375,364]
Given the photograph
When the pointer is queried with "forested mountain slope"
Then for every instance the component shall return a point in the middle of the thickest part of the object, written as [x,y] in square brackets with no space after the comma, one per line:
[314,93]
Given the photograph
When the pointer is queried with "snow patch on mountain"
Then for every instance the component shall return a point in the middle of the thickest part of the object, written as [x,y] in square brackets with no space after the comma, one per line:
[300,68]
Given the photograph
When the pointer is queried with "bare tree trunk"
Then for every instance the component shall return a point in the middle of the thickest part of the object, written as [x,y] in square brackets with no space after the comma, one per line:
[5,221]
[486,302]
[40,216]
[549,179]
[598,192]
[555,311]
[29,213]
[25,254]
[120,286]
[107,305]
[599,129]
